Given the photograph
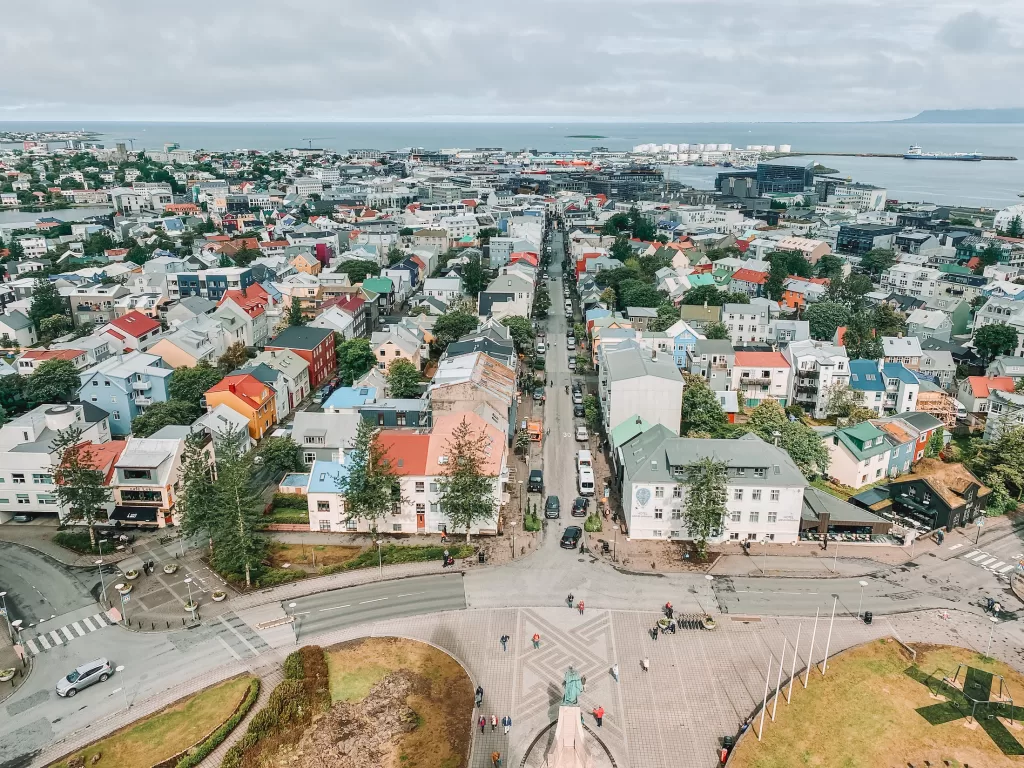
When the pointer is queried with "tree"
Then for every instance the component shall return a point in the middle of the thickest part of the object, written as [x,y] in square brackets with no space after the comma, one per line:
[79,484]
[521,331]
[621,248]
[992,254]
[190,384]
[195,504]
[54,326]
[887,321]
[15,251]
[999,464]
[841,400]
[643,228]
[767,419]
[236,516]
[295,315]
[877,260]
[995,339]
[716,330]
[608,296]
[46,302]
[775,285]
[485,234]
[830,266]
[370,487]
[592,410]
[861,339]
[805,447]
[160,415]
[233,358]
[355,357]
[473,276]
[137,255]
[1016,227]
[702,413]
[466,486]
[450,327]
[403,379]
[12,392]
[824,317]
[357,269]
[279,455]
[707,485]
[634,293]
[522,442]
[395,255]
[936,443]
[668,315]
[54,381]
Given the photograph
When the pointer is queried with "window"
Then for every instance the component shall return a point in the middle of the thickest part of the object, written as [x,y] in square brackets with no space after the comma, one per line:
[755,516]
[350,525]
[677,515]
[325,525]
[659,492]
[433,487]
[737,494]
[775,494]
[18,478]
[105,383]
[23,498]
[773,516]
[323,506]
[400,418]
[751,537]
[397,527]
[137,474]
[741,471]
[658,515]
[421,509]
[46,498]
[309,457]
[656,534]
[42,479]
[759,472]
[420,486]
[926,498]
[116,415]
[735,516]
[734,536]
[677,492]
[755,495]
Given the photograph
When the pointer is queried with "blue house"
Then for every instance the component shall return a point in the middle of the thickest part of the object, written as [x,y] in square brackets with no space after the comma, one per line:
[350,399]
[684,340]
[867,379]
[124,386]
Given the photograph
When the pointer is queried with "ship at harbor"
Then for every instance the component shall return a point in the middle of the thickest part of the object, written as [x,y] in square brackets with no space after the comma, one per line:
[916,153]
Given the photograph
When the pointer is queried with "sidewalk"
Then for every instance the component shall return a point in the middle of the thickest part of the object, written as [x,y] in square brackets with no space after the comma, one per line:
[40,538]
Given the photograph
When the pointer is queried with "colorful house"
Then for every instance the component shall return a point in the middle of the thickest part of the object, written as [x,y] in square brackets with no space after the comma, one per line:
[248,396]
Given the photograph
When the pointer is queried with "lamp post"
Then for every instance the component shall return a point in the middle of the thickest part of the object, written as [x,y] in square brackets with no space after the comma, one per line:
[860,603]
[522,498]
[103,588]
[512,525]
[380,560]
[3,600]
[192,605]
[16,624]
[124,687]
[835,561]
[991,632]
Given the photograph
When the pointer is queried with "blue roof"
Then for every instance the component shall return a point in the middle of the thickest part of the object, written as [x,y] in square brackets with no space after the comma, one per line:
[350,397]
[597,312]
[324,476]
[864,376]
[897,371]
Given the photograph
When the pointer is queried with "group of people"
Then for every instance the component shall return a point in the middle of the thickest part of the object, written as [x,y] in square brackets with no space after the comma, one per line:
[447,560]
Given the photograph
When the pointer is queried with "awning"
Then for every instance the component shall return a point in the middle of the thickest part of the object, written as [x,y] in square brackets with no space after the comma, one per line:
[135,514]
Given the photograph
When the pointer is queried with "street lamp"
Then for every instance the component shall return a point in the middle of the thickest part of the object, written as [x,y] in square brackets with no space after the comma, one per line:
[3,600]
[380,561]
[860,603]
[99,543]
[512,525]
[192,605]
[124,688]
[103,588]
[522,498]
[991,632]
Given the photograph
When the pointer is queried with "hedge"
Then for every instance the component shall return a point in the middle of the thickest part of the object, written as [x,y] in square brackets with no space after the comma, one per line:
[76,541]
[290,501]
[215,739]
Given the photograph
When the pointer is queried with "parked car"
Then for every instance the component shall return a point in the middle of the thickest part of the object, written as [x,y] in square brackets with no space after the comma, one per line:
[552,509]
[535,484]
[581,434]
[577,385]
[577,397]
[570,343]
[83,676]
[23,517]
[538,394]
[541,348]
[572,364]
[580,507]
[571,537]
[578,410]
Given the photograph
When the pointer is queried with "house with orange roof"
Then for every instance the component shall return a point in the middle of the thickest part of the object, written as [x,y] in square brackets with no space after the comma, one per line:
[760,376]
[748,281]
[132,331]
[31,359]
[974,392]
[248,396]
[306,263]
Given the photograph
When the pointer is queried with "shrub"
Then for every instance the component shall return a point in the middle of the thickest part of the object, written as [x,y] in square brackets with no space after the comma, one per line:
[271,577]
[531,523]
[394,555]
[290,501]
[215,739]
[76,541]
[293,666]
[592,524]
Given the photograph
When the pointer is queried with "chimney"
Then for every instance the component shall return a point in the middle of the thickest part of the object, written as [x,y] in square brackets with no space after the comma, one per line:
[231,387]
[705,305]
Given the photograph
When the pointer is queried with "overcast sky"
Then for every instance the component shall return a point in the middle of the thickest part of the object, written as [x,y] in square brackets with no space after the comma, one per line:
[636,60]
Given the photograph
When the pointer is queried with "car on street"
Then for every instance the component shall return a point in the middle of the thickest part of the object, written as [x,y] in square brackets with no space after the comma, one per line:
[23,517]
[577,385]
[541,348]
[578,410]
[572,364]
[570,343]
[83,676]
[552,509]
[535,484]
[538,393]
[571,537]
[581,434]
[577,397]
[580,507]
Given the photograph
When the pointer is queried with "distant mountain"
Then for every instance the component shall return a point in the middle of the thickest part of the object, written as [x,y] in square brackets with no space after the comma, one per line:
[1011,115]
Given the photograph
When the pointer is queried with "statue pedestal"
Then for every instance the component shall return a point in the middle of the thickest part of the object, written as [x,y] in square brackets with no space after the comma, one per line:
[569,749]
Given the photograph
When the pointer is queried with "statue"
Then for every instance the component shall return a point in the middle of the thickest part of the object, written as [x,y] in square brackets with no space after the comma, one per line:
[568,748]
[573,687]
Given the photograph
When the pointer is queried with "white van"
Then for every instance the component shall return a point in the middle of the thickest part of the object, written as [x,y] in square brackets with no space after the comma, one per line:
[568,305]
[586,482]
[584,459]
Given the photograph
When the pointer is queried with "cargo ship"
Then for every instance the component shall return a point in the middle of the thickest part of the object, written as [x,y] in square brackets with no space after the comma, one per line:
[916,153]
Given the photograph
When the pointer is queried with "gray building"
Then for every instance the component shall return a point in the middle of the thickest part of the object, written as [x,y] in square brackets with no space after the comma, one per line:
[324,436]
[713,360]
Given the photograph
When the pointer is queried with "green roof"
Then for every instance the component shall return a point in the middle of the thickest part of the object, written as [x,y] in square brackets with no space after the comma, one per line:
[702,279]
[864,434]
[379,284]
[627,430]
[955,269]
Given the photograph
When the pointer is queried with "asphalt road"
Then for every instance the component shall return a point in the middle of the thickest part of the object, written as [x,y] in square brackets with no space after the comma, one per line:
[342,608]
[39,588]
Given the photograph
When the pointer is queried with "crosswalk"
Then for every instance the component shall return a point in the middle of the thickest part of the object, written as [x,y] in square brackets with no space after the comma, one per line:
[991,562]
[44,641]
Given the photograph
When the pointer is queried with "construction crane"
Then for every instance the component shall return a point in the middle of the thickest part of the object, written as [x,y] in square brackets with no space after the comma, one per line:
[131,139]
[316,138]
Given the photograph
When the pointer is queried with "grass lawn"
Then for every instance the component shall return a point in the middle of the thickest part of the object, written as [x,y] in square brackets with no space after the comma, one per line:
[842,491]
[864,715]
[443,699]
[168,732]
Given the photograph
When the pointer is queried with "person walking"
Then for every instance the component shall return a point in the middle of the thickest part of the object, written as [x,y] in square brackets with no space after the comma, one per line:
[506,723]
[482,722]
[569,599]
[494,722]
[645,664]
[479,695]
[615,672]
[599,715]
[581,607]
[495,759]
[536,640]
[583,682]
[504,643]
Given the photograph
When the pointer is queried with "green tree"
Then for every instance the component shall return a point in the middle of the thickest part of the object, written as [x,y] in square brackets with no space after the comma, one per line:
[935,444]
[542,302]
[452,326]
[473,278]
[887,321]
[668,315]
[195,504]
[355,357]
[485,234]
[995,339]
[370,487]
[766,419]
[707,485]
[702,413]
[634,293]
[830,266]
[615,224]
[824,317]
[643,228]
[716,330]
[79,483]
[54,381]
[709,294]
[234,357]
[521,331]
[861,339]
[608,296]
[592,410]
[236,517]
[621,248]
[877,260]
[46,302]
[992,254]
[1016,227]
[137,255]
[295,315]
[357,269]
[160,415]
[466,487]
[12,392]
[279,456]
[775,285]
[805,447]
[190,384]
[395,255]
[54,326]
[403,379]
[15,251]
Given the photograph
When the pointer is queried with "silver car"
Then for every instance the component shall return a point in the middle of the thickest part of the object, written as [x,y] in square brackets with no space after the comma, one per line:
[83,676]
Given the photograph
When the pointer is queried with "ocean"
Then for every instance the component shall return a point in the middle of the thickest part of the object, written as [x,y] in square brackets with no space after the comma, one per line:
[986,184]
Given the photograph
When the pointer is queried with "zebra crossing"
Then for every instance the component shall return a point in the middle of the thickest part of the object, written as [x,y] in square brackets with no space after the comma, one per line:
[44,641]
[992,563]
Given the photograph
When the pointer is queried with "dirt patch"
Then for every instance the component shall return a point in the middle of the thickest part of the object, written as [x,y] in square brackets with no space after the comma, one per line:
[398,704]
[308,555]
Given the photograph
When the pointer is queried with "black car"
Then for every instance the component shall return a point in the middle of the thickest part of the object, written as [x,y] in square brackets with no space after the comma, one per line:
[536,482]
[577,386]
[579,410]
[571,537]
[580,507]
[552,508]
[538,394]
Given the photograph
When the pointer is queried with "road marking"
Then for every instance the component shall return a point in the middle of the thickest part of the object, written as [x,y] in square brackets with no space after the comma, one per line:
[300,613]
[44,642]
[410,594]
[986,561]
[231,650]
[88,624]
[1006,568]
[375,600]
[970,554]
[32,647]
[99,620]
[239,636]
[956,547]
[56,638]
[67,633]
[976,557]
[333,608]
[78,628]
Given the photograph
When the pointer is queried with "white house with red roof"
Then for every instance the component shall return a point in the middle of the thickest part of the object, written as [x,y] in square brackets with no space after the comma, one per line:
[760,376]
[31,359]
[133,332]
[974,392]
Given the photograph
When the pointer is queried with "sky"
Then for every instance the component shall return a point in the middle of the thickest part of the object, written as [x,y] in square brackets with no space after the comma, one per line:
[496,60]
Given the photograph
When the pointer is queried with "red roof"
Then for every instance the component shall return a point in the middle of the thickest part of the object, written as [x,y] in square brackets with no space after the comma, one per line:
[982,385]
[406,451]
[742,245]
[762,359]
[53,354]
[700,269]
[104,456]
[274,244]
[253,299]
[246,387]
[135,324]
[750,276]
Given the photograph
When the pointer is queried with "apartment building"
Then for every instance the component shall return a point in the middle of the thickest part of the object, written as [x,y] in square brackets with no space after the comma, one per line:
[817,368]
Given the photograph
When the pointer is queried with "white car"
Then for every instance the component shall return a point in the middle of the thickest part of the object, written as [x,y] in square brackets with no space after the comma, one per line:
[541,349]
[570,343]
[581,434]
[577,398]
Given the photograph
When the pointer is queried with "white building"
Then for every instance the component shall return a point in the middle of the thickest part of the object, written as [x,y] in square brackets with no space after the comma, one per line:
[817,367]
[636,382]
[760,376]
[910,280]
[747,323]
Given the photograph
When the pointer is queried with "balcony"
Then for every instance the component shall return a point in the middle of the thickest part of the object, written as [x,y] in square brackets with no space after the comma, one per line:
[755,380]
[141,386]
[808,373]
[143,401]
[806,388]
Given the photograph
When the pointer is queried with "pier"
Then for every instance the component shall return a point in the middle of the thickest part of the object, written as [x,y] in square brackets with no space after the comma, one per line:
[897,155]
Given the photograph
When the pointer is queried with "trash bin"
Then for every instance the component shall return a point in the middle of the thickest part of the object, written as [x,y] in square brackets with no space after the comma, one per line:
[729,742]
[867,617]
[480,556]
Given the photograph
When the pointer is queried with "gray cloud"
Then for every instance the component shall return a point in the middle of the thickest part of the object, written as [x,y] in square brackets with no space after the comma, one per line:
[634,60]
